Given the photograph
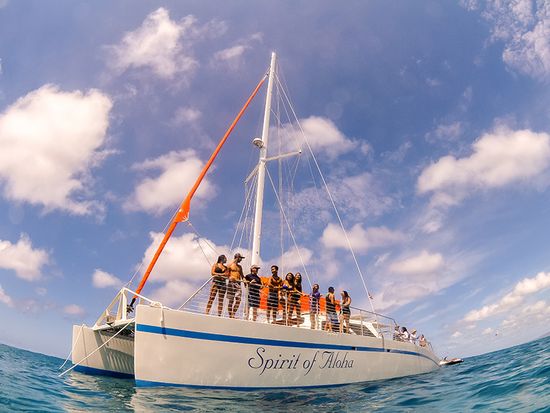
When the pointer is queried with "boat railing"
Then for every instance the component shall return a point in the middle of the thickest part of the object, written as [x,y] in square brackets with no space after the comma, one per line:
[119,312]
[242,301]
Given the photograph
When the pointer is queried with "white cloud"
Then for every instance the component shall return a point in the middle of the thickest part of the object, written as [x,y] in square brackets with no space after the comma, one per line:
[183,258]
[163,45]
[178,173]
[230,54]
[399,154]
[445,131]
[522,289]
[499,158]
[538,312]
[322,135]
[361,239]
[22,258]
[357,197]
[73,310]
[233,56]
[291,261]
[423,263]
[102,279]
[186,116]
[488,331]
[156,45]
[5,298]
[174,293]
[411,277]
[456,334]
[50,141]
[524,27]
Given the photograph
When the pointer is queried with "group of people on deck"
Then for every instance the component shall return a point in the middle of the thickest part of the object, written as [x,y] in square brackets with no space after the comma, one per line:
[287,293]
[402,334]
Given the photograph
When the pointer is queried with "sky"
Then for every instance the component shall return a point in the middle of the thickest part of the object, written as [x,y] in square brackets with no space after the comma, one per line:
[429,120]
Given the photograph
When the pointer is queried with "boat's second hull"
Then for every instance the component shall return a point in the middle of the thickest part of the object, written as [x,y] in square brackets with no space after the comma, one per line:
[181,348]
[98,352]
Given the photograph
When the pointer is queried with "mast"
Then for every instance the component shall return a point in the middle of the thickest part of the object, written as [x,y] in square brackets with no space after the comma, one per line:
[261,167]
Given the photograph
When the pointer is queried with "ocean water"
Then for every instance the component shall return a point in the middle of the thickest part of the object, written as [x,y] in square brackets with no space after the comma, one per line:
[511,380]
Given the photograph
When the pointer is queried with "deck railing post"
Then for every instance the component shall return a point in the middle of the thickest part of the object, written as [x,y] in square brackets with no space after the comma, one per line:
[361,320]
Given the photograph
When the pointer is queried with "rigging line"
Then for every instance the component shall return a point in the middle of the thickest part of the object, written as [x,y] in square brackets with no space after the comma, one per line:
[249,205]
[290,230]
[246,196]
[295,172]
[333,203]
[72,347]
[281,86]
[291,124]
[199,242]
[280,174]
[203,238]
[251,222]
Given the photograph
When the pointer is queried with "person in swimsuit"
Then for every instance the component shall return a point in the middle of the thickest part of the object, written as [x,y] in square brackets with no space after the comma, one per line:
[297,296]
[285,297]
[346,312]
[234,285]
[330,303]
[314,306]
[275,283]
[219,275]
[422,341]
[254,285]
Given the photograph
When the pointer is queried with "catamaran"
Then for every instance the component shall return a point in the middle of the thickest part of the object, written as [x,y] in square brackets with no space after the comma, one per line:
[157,345]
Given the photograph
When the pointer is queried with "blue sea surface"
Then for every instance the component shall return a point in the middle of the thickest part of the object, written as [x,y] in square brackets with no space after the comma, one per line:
[516,379]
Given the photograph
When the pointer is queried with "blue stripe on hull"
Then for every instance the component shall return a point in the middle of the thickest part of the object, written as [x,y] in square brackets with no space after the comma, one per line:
[147,383]
[101,372]
[145,328]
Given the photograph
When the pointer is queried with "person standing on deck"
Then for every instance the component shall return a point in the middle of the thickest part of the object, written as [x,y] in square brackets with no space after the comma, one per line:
[330,303]
[234,285]
[285,297]
[219,275]
[254,285]
[346,312]
[296,298]
[314,306]
[275,283]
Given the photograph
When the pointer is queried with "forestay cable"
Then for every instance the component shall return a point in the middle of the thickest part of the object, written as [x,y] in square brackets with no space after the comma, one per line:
[331,200]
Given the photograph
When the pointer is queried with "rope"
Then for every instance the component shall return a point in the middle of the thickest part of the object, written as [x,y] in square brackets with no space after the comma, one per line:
[97,349]
[199,242]
[72,347]
[332,201]
[251,203]
[203,238]
[289,229]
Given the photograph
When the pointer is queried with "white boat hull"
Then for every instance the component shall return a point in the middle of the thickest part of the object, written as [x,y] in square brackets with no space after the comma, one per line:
[188,349]
[116,358]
